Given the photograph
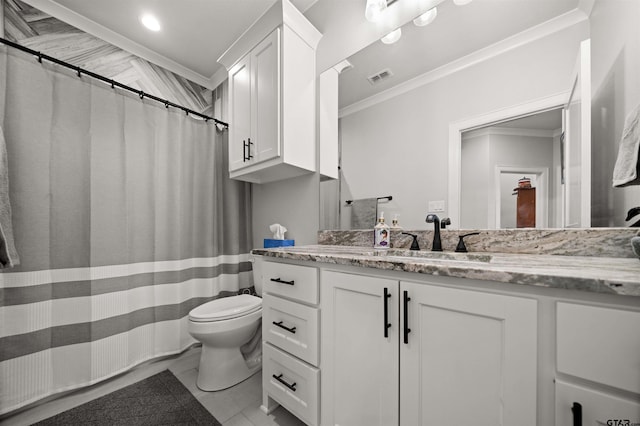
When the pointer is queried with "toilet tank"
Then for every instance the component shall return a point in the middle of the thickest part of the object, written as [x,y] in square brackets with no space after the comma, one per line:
[256,263]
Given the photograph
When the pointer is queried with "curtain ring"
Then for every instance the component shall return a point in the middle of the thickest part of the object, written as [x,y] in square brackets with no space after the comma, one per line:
[141,94]
[166,104]
[186,111]
[112,84]
[40,57]
[78,71]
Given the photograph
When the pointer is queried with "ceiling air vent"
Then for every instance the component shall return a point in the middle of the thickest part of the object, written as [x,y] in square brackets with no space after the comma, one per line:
[378,77]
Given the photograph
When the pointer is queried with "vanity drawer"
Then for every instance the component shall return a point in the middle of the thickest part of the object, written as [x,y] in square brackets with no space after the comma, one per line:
[292,383]
[291,281]
[599,344]
[291,326]
[597,408]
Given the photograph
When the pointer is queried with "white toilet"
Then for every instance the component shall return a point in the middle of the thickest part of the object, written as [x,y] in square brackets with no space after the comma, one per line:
[223,326]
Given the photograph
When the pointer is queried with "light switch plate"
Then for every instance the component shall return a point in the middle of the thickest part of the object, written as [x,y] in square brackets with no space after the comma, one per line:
[436,206]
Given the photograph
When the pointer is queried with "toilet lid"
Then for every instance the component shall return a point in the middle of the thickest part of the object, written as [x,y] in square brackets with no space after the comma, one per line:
[226,308]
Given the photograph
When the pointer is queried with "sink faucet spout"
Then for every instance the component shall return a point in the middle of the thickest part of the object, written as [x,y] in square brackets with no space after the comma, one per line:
[437,244]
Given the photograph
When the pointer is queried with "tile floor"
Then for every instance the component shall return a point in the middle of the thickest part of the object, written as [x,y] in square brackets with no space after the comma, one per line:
[237,406]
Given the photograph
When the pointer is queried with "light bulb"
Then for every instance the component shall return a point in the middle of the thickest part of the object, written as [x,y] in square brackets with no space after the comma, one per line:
[426,18]
[392,37]
[150,22]
[374,9]
[461,2]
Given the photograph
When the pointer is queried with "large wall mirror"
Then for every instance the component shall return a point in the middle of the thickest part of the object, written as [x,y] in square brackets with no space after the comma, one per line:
[512,64]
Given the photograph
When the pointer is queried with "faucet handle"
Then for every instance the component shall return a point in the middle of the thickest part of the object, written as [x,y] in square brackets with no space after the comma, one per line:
[414,243]
[461,248]
[444,222]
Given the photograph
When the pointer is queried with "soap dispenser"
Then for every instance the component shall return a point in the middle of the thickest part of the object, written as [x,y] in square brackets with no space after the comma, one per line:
[381,234]
[394,223]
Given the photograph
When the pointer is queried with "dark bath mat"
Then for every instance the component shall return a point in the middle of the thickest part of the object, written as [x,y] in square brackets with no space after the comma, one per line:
[158,400]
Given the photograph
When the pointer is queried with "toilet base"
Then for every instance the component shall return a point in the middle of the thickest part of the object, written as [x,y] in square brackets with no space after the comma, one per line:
[221,368]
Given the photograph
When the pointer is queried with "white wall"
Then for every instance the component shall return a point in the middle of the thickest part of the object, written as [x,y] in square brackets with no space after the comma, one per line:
[482,152]
[293,203]
[475,179]
[615,76]
[400,147]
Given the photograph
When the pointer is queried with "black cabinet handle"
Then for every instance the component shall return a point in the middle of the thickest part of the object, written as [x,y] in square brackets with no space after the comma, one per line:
[386,312]
[244,150]
[278,280]
[290,330]
[249,157]
[407,330]
[281,380]
[576,409]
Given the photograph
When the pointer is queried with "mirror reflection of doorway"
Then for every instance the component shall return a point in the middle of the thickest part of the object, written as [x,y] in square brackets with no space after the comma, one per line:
[518,205]
[494,157]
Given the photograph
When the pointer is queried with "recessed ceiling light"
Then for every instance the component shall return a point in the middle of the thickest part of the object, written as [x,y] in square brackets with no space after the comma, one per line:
[392,37]
[426,18]
[150,22]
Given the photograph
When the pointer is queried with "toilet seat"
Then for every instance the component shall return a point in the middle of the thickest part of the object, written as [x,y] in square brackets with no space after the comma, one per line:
[226,308]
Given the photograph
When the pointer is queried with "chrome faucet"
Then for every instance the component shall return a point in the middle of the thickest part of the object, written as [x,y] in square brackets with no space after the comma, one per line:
[437,244]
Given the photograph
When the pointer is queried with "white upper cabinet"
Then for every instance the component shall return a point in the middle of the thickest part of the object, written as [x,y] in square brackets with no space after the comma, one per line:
[272,97]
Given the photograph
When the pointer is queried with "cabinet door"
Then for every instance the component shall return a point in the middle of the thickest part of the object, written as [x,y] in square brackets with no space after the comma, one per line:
[240,112]
[265,92]
[359,364]
[470,358]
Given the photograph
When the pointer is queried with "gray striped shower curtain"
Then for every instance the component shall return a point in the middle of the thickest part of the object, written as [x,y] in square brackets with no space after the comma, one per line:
[124,219]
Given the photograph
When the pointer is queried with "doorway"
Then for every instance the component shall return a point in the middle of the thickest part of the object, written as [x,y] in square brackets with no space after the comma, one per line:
[495,156]
[510,211]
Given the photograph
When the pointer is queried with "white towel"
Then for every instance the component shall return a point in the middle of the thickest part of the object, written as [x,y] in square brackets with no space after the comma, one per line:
[627,169]
[8,253]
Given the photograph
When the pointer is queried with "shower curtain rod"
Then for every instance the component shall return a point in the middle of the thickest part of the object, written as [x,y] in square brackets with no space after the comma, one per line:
[40,56]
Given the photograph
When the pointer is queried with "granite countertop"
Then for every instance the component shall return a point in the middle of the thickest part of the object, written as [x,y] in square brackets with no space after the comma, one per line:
[594,274]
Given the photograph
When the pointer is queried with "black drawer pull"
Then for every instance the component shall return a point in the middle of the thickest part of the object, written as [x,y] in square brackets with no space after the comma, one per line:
[281,380]
[278,280]
[386,312]
[407,330]
[576,409]
[290,330]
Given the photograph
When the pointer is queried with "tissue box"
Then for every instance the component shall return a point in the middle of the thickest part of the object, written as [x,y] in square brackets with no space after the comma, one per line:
[269,243]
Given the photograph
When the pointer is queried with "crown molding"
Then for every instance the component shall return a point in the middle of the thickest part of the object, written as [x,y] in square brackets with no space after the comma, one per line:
[72,18]
[508,131]
[522,38]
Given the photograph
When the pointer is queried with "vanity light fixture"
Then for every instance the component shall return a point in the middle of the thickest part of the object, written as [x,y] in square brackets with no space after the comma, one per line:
[461,2]
[392,37]
[374,9]
[426,18]
[150,21]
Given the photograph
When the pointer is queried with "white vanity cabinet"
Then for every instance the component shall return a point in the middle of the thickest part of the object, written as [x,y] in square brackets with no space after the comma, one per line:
[416,353]
[598,365]
[272,97]
[290,333]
